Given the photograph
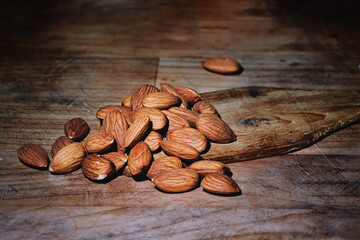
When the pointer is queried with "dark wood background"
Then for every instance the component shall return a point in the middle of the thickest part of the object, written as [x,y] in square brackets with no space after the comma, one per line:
[63,59]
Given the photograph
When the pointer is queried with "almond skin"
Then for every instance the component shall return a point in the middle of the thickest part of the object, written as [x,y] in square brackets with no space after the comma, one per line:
[205,167]
[153,140]
[119,159]
[97,168]
[164,164]
[215,129]
[170,89]
[115,124]
[60,143]
[175,121]
[33,155]
[99,142]
[127,172]
[157,118]
[190,95]
[139,158]
[160,100]
[186,114]
[204,107]
[140,93]
[68,159]
[176,180]
[77,129]
[220,184]
[189,136]
[181,150]
[101,113]
[126,102]
[222,65]
[137,131]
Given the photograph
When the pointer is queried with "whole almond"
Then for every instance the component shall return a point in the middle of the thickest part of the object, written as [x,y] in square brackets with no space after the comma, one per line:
[97,168]
[33,155]
[153,139]
[60,143]
[204,167]
[221,184]
[77,129]
[189,136]
[127,172]
[137,131]
[101,113]
[175,121]
[204,107]
[163,164]
[99,142]
[157,118]
[176,180]
[139,158]
[186,114]
[170,89]
[115,124]
[222,65]
[127,101]
[119,159]
[160,100]
[68,158]
[190,95]
[181,150]
[214,128]
[140,93]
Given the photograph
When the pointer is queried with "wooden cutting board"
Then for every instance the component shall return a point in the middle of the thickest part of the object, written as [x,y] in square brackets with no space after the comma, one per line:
[274,121]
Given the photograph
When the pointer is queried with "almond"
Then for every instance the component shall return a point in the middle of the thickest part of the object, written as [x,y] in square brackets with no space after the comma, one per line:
[214,128]
[204,107]
[126,102]
[137,131]
[101,113]
[190,95]
[139,158]
[160,100]
[77,129]
[189,136]
[119,159]
[60,143]
[153,139]
[33,155]
[97,168]
[157,118]
[170,89]
[222,65]
[163,164]
[204,167]
[140,93]
[186,114]
[115,124]
[175,121]
[127,172]
[68,158]
[176,180]
[221,184]
[99,142]
[181,150]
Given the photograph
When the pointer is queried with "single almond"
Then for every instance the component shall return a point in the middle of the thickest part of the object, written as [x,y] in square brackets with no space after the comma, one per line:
[190,95]
[115,124]
[189,136]
[60,143]
[97,168]
[204,107]
[170,89]
[175,121]
[219,183]
[176,180]
[153,140]
[181,150]
[186,114]
[33,155]
[101,113]
[127,172]
[77,129]
[126,102]
[163,164]
[140,93]
[119,159]
[157,118]
[222,65]
[68,159]
[137,131]
[205,167]
[99,142]
[160,100]
[139,158]
[214,128]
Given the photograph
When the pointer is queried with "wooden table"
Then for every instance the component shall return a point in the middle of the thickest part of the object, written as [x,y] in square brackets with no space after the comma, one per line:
[63,59]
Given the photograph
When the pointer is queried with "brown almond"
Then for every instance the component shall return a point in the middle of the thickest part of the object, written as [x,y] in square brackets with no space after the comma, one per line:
[222,65]
[127,172]
[221,184]
[160,100]
[115,124]
[139,158]
[33,155]
[157,118]
[68,159]
[97,168]
[140,93]
[186,114]
[126,102]
[170,89]
[189,136]
[119,159]
[204,167]
[101,113]
[204,107]
[153,139]
[176,180]
[99,142]
[190,95]
[215,129]
[175,121]
[60,143]
[137,131]
[181,150]
[163,164]
[77,129]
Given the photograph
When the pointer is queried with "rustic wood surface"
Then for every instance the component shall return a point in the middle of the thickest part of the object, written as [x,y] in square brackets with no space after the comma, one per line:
[64,59]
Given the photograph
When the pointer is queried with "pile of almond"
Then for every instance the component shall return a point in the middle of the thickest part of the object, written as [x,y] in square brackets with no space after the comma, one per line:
[173,119]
